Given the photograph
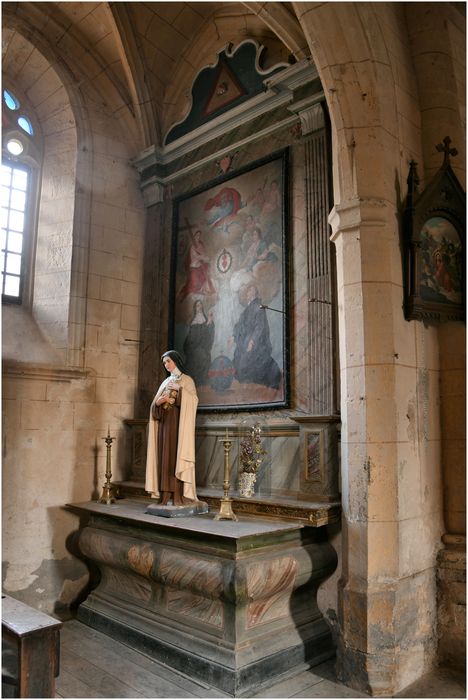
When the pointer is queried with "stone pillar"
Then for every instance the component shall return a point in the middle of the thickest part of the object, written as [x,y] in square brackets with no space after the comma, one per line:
[437,33]
[391,520]
[154,312]
[451,573]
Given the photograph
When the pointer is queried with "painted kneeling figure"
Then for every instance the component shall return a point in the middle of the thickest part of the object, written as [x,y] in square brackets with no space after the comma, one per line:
[170,461]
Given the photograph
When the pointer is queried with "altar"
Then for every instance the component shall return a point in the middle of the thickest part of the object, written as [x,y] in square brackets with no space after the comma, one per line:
[230,603]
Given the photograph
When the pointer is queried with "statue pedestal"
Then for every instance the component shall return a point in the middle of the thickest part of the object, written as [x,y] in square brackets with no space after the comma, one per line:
[231,603]
[170,511]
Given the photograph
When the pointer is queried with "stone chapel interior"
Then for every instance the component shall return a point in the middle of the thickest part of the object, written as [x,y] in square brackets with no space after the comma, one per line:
[284,132]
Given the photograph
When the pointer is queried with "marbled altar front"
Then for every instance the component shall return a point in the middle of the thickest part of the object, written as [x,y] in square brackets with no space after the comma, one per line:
[230,603]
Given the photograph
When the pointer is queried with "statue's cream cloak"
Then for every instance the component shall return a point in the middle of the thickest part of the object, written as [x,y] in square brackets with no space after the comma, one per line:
[185,461]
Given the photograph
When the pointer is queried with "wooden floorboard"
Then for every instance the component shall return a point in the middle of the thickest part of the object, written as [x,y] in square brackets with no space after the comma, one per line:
[102,683]
[142,675]
[71,686]
[286,688]
[93,665]
[317,682]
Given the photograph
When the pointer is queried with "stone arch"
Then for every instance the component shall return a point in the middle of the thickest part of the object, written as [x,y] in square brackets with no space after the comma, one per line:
[50,273]
[389,368]
[62,207]
[359,85]
[81,79]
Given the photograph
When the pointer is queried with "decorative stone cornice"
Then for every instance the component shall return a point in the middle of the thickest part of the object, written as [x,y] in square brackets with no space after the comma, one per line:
[279,91]
[23,370]
[213,129]
[164,180]
[310,112]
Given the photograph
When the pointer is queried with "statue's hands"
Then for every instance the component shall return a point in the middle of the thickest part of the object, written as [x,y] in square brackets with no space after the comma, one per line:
[162,399]
[250,346]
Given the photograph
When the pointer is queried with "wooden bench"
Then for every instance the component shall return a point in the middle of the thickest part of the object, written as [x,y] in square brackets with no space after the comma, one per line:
[30,651]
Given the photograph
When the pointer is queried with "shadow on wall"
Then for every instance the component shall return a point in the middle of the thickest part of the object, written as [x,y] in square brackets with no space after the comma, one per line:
[77,589]
[85,584]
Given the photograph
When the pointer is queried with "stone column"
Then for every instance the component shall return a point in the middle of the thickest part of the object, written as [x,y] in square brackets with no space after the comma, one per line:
[154,318]
[437,34]
[391,519]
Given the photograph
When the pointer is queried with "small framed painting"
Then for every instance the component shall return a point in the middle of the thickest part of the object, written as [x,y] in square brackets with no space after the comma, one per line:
[434,246]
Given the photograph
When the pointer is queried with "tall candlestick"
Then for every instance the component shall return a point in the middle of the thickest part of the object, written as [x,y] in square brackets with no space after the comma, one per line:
[108,491]
[225,506]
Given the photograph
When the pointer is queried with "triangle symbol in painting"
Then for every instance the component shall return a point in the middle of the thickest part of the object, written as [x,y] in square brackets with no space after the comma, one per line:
[226,89]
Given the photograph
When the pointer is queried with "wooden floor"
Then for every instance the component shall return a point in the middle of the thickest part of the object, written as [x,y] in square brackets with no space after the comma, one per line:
[92,665]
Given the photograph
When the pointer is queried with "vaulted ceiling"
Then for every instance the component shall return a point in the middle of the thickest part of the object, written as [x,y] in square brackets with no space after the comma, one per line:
[150,52]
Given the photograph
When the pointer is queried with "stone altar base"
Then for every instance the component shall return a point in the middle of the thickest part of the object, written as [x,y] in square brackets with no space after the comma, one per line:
[232,604]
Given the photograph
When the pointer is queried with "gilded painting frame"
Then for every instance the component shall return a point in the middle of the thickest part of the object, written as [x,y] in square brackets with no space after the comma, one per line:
[229,287]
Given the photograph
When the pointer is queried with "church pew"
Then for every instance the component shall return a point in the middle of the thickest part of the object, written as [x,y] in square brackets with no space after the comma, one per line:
[30,651]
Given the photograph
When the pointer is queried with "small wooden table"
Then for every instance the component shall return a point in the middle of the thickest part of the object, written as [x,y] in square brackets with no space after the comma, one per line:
[34,638]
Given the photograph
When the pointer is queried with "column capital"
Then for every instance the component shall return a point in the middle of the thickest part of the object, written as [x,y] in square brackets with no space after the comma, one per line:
[310,112]
[358,212]
[153,191]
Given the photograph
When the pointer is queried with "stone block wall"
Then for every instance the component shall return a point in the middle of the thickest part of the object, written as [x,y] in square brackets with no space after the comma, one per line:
[70,357]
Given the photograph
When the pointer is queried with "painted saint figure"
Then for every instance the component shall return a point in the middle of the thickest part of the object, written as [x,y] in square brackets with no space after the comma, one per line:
[258,251]
[253,362]
[226,203]
[198,280]
[198,344]
[170,461]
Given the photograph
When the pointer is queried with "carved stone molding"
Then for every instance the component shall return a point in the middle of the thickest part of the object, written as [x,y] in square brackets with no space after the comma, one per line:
[158,165]
[351,215]
[311,113]
[22,370]
[153,191]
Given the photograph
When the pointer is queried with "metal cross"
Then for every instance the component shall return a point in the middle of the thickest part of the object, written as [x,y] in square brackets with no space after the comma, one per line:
[445,149]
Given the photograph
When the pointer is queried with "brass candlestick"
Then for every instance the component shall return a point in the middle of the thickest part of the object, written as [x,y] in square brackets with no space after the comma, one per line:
[108,491]
[225,506]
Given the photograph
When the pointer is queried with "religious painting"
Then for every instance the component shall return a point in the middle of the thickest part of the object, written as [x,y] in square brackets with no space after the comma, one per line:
[440,277]
[434,230]
[229,287]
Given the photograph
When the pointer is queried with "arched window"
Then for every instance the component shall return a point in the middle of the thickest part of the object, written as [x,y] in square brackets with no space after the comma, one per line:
[21,160]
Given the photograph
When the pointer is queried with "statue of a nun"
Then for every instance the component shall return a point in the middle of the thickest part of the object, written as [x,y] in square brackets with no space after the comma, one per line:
[170,461]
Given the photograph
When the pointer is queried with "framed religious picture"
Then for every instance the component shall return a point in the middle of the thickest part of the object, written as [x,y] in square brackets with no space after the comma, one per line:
[434,240]
[229,307]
